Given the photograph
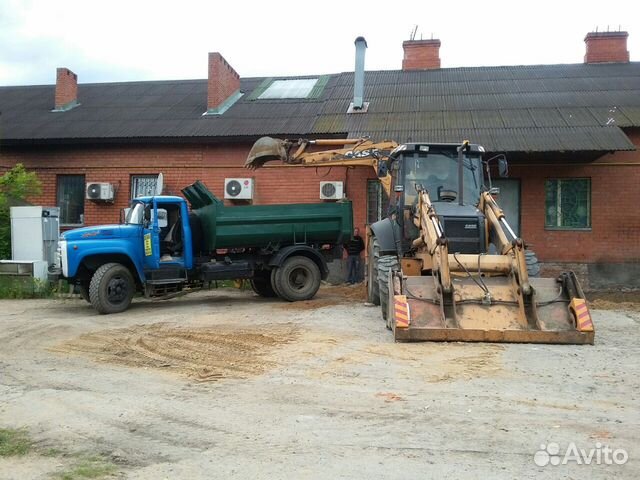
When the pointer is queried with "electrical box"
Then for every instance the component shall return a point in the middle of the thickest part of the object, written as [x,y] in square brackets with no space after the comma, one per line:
[100,192]
[238,188]
[34,233]
[331,190]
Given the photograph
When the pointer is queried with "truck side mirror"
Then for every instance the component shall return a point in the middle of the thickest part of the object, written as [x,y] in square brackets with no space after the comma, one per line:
[503,168]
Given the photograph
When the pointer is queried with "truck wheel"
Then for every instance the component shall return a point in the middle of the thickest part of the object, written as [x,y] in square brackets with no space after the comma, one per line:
[386,264]
[112,288]
[297,279]
[274,284]
[261,284]
[373,254]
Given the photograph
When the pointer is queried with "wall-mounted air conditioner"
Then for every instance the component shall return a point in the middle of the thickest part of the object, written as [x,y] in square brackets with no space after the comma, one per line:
[331,190]
[238,188]
[100,192]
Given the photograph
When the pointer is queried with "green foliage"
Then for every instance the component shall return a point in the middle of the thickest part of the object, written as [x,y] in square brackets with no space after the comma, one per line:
[25,287]
[13,442]
[15,185]
[89,467]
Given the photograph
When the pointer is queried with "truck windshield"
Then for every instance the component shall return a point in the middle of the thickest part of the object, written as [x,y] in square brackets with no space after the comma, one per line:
[438,172]
[135,215]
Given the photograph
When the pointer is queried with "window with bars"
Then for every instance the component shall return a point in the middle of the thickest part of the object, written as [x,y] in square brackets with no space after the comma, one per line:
[70,199]
[143,185]
[568,203]
[377,202]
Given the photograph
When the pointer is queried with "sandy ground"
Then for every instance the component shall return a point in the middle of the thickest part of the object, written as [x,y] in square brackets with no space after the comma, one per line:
[228,385]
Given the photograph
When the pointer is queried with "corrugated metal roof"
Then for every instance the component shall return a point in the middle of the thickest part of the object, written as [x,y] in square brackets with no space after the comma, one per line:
[514,108]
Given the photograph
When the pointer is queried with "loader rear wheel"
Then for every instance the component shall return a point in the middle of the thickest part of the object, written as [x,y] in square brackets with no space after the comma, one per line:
[533,267]
[261,284]
[386,264]
[373,254]
[112,288]
[297,279]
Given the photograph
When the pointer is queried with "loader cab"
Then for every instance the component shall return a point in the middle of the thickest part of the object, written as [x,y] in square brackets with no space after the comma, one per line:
[435,167]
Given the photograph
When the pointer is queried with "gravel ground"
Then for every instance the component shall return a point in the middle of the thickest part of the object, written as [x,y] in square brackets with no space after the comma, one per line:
[228,385]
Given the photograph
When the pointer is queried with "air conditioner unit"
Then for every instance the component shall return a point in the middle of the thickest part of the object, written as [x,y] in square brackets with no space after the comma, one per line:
[238,188]
[101,192]
[331,190]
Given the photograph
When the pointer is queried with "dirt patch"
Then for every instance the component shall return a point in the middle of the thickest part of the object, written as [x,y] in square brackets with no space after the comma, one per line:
[203,354]
[615,300]
[328,296]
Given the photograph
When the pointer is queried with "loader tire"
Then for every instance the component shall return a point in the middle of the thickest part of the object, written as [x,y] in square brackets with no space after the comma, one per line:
[386,264]
[298,278]
[112,288]
[373,254]
[261,284]
[533,267]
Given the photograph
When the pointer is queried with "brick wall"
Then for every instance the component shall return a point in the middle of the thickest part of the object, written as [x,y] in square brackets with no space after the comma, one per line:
[182,165]
[613,237]
[615,221]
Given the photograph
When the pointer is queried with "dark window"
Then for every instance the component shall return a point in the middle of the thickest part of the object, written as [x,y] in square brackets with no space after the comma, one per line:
[568,203]
[143,185]
[71,199]
[377,202]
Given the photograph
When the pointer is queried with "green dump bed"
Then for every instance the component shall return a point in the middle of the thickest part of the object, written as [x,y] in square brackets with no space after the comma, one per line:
[262,225]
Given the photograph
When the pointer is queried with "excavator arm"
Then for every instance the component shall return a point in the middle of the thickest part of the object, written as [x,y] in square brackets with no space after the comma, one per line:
[355,152]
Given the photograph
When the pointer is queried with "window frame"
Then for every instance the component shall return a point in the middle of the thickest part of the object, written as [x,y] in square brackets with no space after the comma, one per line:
[560,180]
[59,205]
[134,176]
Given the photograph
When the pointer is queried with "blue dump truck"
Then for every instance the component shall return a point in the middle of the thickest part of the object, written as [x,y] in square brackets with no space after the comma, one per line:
[163,248]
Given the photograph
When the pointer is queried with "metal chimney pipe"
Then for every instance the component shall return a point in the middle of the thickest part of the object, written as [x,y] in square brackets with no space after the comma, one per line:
[358,81]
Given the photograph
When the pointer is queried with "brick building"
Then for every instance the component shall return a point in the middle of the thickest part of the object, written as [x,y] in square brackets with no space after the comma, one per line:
[569,131]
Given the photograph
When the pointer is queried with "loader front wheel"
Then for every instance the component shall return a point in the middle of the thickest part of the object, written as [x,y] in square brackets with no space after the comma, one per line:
[373,254]
[297,279]
[386,264]
[112,288]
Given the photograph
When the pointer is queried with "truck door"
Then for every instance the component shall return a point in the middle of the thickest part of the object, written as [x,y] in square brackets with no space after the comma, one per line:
[151,237]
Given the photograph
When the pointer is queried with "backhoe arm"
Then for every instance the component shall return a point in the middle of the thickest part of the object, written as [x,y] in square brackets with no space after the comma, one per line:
[355,152]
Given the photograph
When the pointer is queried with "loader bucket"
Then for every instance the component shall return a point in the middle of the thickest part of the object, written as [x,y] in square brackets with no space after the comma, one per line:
[264,150]
[551,314]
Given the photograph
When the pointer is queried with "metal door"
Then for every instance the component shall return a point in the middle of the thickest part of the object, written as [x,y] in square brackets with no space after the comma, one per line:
[151,237]
[509,200]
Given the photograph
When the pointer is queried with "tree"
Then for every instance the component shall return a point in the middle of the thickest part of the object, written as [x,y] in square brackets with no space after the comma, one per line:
[16,186]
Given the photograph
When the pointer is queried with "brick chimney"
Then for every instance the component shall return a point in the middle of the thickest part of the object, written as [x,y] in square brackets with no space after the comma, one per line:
[224,85]
[66,90]
[421,54]
[606,47]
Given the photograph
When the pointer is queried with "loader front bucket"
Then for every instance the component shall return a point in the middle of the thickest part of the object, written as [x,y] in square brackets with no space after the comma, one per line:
[265,150]
[552,313]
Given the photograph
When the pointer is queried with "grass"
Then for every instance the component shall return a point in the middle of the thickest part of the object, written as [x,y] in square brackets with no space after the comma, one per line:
[86,468]
[14,442]
[27,287]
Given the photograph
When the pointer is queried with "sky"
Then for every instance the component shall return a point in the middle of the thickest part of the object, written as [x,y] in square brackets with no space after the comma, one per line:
[116,40]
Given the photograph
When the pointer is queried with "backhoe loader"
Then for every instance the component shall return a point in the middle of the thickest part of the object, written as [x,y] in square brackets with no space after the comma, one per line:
[444,265]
